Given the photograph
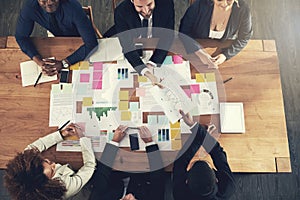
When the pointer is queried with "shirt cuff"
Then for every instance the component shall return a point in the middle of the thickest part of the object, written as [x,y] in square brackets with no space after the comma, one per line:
[114,143]
[193,125]
[152,63]
[145,70]
[150,143]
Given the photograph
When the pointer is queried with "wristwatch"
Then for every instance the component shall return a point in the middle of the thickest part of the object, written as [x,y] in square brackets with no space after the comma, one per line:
[65,64]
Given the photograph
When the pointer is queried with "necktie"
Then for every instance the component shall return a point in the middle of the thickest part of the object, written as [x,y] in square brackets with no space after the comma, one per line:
[54,28]
[145,28]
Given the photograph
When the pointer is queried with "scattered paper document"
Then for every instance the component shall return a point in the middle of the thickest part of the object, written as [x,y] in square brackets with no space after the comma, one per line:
[30,72]
[61,104]
[109,49]
[232,118]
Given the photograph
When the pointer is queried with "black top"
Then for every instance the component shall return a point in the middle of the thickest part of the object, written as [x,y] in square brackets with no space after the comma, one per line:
[197,19]
[127,18]
[108,185]
[226,182]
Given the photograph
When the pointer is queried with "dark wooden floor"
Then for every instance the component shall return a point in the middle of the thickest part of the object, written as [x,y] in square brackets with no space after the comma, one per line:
[272,19]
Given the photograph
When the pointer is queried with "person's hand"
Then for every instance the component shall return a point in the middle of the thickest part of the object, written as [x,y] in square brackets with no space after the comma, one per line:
[187,118]
[206,59]
[38,60]
[153,79]
[119,133]
[128,197]
[72,130]
[145,134]
[51,66]
[219,59]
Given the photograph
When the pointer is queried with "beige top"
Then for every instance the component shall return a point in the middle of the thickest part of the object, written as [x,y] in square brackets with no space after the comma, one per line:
[73,181]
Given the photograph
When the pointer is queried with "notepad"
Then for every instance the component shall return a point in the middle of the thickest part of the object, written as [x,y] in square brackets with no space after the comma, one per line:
[232,118]
[30,72]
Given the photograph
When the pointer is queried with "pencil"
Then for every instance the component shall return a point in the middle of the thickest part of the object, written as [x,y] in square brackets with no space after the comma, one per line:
[63,126]
[228,80]
[38,78]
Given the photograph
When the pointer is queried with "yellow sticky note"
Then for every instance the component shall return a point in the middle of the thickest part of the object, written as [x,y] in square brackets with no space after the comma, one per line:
[123,105]
[75,66]
[200,78]
[175,125]
[72,137]
[125,115]
[210,77]
[176,144]
[124,95]
[87,101]
[84,65]
[175,134]
[142,79]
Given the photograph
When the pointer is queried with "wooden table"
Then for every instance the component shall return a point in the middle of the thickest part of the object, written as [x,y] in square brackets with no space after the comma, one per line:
[263,148]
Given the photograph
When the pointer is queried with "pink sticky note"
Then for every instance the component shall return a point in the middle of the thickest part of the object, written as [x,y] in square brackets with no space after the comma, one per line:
[140,92]
[187,92]
[84,78]
[97,85]
[177,59]
[195,88]
[97,76]
[98,66]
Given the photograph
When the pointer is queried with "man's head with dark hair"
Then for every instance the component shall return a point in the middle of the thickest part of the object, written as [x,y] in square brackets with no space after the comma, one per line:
[201,181]
[25,179]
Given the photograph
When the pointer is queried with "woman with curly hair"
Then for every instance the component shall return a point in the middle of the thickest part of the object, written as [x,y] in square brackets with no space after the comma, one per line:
[30,176]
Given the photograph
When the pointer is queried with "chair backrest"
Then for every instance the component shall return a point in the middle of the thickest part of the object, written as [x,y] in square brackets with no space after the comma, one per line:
[89,12]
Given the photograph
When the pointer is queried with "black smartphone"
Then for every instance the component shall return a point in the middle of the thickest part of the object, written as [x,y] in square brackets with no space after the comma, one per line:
[139,48]
[64,76]
[134,141]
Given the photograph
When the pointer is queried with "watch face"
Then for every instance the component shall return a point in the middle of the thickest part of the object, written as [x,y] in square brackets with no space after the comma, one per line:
[65,64]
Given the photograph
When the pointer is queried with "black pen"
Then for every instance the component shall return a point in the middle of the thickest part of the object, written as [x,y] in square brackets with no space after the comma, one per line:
[228,80]
[63,126]
[37,80]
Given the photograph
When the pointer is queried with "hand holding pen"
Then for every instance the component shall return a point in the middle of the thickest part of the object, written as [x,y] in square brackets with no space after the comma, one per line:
[72,130]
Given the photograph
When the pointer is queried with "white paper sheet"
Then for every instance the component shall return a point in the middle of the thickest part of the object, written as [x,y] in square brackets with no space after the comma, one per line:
[232,118]
[30,72]
[109,49]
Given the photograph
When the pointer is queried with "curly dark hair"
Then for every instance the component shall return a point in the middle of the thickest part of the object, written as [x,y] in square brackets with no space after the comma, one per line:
[24,178]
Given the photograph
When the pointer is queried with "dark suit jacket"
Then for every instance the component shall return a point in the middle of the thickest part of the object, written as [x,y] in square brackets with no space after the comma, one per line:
[226,182]
[127,18]
[196,24]
[108,185]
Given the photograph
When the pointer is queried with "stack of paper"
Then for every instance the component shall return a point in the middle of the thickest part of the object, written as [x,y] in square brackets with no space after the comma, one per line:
[232,118]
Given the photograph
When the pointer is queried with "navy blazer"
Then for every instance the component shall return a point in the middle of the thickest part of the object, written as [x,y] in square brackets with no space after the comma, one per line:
[196,24]
[127,18]
[226,183]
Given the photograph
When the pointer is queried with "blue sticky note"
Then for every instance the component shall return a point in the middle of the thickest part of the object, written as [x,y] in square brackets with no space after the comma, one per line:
[152,119]
[168,60]
[81,89]
[134,106]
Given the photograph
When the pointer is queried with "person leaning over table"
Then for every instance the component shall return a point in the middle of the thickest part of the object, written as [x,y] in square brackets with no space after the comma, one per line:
[217,19]
[142,186]
[156,16]
[30,176]
[201,182]
[61,18]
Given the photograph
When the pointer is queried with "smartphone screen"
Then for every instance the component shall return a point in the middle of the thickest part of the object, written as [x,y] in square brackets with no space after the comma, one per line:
[64,76]
[134,141]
